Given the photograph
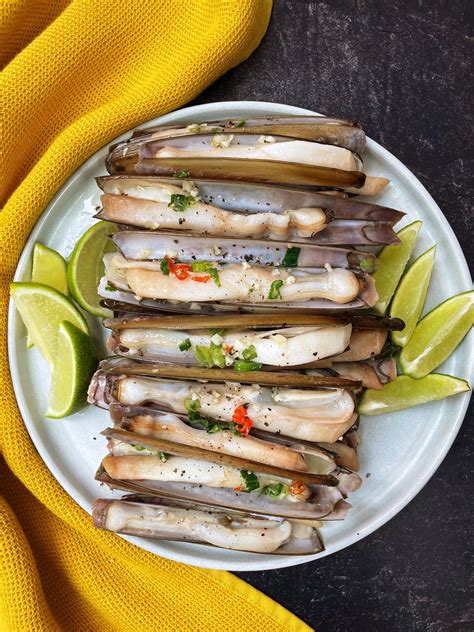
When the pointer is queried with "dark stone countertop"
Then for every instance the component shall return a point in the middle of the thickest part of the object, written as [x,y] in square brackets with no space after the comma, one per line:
[403,69]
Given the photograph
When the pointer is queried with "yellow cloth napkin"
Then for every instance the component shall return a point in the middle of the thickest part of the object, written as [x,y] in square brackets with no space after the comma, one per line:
[76,75]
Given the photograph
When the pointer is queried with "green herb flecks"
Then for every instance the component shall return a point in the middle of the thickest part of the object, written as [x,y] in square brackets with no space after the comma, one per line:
[180,202]
[276,490]
[163,456]
[291,257]
[139,448]
[274,292]
[249,353]
[185,345]
[182,174]
[210,426]
[250,481]
[241,124]
[247,365]
[164,267]
[210,356]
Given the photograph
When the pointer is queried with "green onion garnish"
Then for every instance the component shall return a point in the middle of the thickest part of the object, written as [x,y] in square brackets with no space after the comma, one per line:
[250,353]
[215,276]
[185,345]
[291,257]
[180,202]
[182,174]
[251,481]
[275,490]
[203,355]
[246,365]
[164,267]
[274,292]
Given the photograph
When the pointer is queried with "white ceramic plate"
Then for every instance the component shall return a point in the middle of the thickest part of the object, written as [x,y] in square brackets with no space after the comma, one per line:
[401,451]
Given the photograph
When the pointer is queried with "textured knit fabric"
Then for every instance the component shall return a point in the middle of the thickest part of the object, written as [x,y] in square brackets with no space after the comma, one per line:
[76,75]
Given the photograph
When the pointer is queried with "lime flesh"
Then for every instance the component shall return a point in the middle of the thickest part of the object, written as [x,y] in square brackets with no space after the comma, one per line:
[85,267]
[405,392]
[42,309]
[73,367]
[392,263]
[437,335]
[410,296]
[49,268]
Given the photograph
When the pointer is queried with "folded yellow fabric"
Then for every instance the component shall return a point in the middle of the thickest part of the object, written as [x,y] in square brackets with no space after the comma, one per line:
[78,74]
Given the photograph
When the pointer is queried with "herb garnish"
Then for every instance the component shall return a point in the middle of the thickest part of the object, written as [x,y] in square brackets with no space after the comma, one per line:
[250,480]
[249,353]
[275,490]
[192,407]
[246,365]
[291,257]
[182,174]
[185,345]
[164,266]
[274,292]
[180,202]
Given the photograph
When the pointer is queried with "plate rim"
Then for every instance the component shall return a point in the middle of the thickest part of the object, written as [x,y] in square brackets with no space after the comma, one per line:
[206,111]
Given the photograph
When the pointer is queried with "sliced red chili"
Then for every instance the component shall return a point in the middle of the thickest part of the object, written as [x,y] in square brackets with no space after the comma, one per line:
[297,488]
[201,279]
[242,420]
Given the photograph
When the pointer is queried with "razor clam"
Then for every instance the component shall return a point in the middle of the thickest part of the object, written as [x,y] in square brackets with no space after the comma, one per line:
[195,461]
[221,529]
[274,347]
[143,421]
[315,128]
[363,345]
[127,301]
[246,198]
[239,146]
[324,500]
[311,415]
[235,283]
[150,246]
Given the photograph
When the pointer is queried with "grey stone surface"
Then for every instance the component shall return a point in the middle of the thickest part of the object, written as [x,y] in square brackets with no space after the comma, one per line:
[403,68]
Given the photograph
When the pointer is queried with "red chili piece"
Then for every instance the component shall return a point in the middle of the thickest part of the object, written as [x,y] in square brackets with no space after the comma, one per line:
[242,420]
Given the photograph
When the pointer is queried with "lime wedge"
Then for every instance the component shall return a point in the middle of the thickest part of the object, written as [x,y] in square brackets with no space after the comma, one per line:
[85,267]
[437,335]
[392,262]
[405,392]
[42,309]
[48,268]
[72,370]
[410,296]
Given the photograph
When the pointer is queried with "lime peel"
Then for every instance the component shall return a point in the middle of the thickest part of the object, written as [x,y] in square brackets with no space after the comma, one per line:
[85,267]
[73,367]
[405,392]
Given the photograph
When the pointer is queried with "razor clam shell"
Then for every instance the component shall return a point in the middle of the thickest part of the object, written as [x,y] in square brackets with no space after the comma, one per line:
[254,198]
[263,378]
[321,504]
[147,245]
[193,452]
[295,546]
[259,171]
[250,321]
[237,321]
